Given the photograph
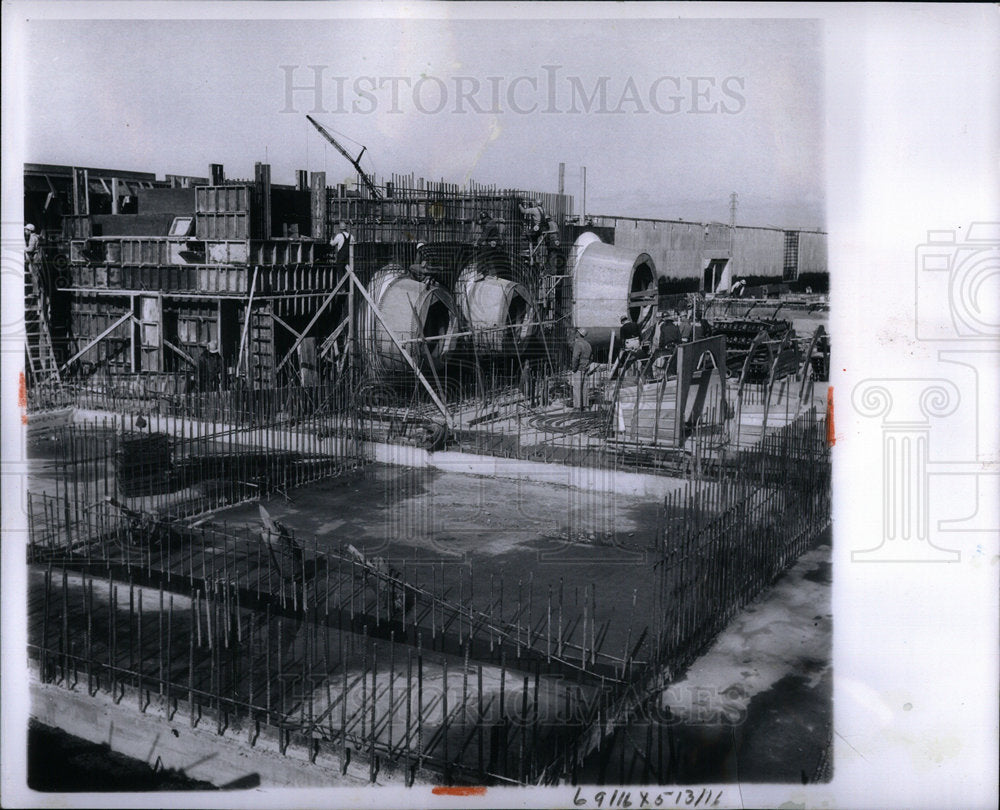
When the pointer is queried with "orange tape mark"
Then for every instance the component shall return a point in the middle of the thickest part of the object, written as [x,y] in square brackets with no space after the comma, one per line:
[22,398]
[831,438]
[459,791]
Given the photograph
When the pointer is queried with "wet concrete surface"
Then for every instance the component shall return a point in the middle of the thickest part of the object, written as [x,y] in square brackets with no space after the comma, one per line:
[488,539]
[754,707]
[757,706]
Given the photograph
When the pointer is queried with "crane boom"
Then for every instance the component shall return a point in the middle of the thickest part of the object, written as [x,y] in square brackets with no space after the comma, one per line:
[355,162]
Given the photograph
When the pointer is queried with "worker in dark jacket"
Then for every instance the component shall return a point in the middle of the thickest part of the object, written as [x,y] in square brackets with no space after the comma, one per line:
[489,232]
[630,340]
[578,367]
[685,326]
[630,335]
[211,369]
[666,336]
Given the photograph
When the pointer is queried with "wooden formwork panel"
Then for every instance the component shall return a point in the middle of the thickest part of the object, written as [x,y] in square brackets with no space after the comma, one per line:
[223,280]
[216,199]
[228,252]
[145,251]
[223,225]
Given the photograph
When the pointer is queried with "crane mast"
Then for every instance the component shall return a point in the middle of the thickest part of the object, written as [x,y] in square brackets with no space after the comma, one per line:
[355,162]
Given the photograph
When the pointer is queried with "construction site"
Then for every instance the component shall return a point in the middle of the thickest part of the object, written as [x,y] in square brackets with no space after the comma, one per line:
[405,481]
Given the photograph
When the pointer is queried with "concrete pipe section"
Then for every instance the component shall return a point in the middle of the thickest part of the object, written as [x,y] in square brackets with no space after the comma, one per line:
[499,311]
[420,316]
[609,282]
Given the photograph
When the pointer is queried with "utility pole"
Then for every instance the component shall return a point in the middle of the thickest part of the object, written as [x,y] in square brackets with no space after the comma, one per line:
[561,213]
[734,204]
[583,216]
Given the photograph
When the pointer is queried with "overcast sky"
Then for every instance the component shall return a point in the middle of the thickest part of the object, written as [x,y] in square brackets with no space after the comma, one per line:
[668,116]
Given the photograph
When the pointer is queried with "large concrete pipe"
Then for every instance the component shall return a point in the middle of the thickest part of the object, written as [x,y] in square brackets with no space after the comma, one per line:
[497,310]
[609,282]
[420,316]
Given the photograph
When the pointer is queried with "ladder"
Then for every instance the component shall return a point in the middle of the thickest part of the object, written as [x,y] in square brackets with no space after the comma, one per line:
[261,348]
[42,366]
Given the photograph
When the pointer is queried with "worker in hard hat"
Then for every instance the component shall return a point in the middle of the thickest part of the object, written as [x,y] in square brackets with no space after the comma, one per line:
[419,269]
[32,247]
[33,264]
[340,245]
[535,216]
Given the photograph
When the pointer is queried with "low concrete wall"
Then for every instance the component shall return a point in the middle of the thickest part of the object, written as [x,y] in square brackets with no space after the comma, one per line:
[200,752]
[592,479]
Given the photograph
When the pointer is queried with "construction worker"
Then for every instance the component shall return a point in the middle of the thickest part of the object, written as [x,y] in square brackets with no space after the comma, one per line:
[32,246]
[419,270]
[550,231]
[630,334]
[666,336]
[489,232]
[34,265]
[340,245]
[535,215]
[630,341]
[684,325]
[578,368]
[211,369]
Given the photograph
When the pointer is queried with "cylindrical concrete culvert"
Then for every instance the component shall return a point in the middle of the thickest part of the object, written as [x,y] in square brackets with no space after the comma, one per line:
[609,282]
[498,311]
[422,317]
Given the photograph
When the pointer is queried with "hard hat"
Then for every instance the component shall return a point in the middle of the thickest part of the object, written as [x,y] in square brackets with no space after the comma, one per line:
[582,332]
[29,227]
[625,318]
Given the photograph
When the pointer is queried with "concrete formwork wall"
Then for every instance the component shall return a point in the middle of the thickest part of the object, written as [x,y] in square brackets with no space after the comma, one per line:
[758,252]
[681,250]
[675,247]
[812,252]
